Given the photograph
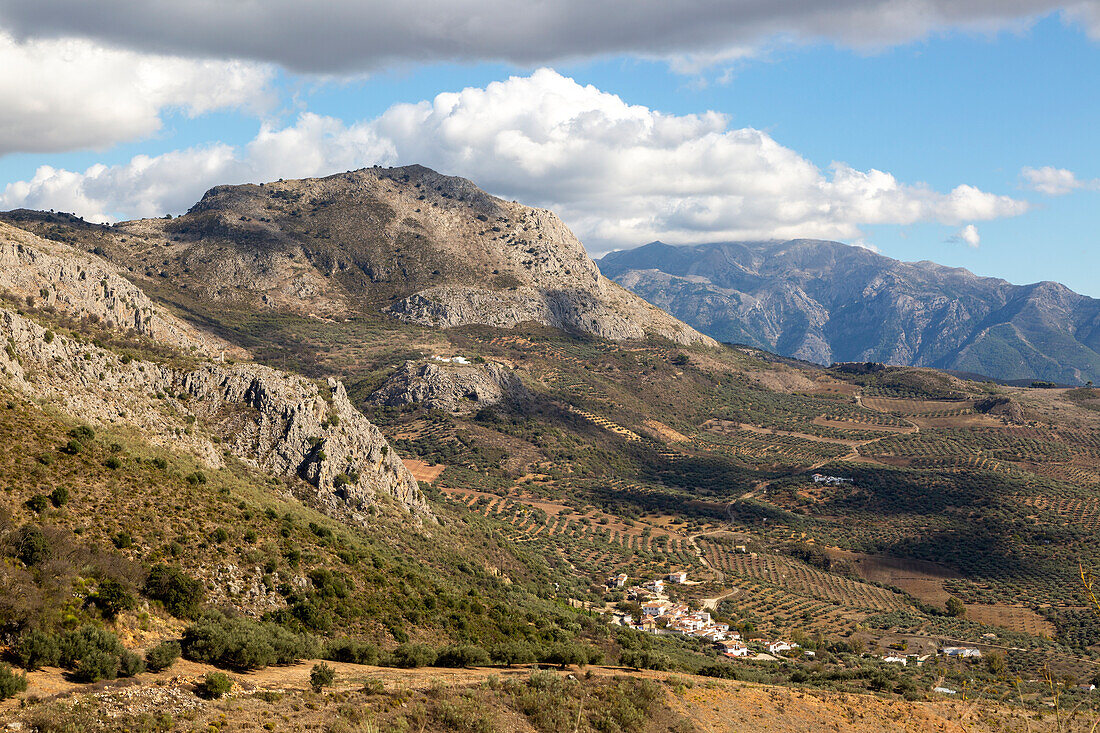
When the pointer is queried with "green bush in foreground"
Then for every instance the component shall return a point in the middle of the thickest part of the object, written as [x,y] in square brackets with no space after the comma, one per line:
[162,656]
[321,676]
[214,685]
[11,684]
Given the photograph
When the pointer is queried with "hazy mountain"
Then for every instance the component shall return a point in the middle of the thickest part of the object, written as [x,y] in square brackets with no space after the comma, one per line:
[826,302]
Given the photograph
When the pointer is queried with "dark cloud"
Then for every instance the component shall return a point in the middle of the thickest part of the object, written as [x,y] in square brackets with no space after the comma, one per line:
[340,36]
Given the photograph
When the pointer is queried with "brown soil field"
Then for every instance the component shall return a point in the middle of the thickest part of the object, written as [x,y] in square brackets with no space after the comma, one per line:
[1014,618]
[853,425]
[666,432]
[923,580]
[421,471]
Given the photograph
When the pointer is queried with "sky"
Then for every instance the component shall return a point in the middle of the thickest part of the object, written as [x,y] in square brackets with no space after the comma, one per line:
[963,132]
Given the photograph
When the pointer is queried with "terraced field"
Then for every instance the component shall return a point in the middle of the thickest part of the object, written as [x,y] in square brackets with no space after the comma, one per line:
[802,579]
[593,545]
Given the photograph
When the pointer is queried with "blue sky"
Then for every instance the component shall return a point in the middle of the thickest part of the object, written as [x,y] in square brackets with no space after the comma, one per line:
[951,107]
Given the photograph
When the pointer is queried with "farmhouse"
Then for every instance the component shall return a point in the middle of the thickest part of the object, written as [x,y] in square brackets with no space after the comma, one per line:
[961,652]
[654,609]
[896,660]
[777,647]
[680,577]
[617,581]
[735,649]
[830,480]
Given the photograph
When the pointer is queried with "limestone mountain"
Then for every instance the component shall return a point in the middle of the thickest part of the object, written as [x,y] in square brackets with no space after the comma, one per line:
[829,302]
[423,247]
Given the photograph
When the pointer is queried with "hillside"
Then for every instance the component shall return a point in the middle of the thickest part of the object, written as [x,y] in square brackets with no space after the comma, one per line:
[267,484]
[829,302]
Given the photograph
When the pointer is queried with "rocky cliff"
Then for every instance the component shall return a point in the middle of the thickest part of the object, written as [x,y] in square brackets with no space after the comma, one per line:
[284,424]
[826,302]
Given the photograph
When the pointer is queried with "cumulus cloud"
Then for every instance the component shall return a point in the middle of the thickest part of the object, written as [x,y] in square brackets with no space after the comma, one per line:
[348,35]
[968,235]
[1054,181]
[71,93]
[618,173]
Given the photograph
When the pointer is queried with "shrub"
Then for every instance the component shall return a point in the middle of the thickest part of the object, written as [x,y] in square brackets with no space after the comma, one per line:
[214,685]
[465,655]
[351,651]
[59,496]
[219,535]
[123,540]
[955,607]
[162,656]
[75,645]
[130,664]
[32,546]
[413,655]
[112,598]
[242,644]
[645,659]
[11,684]
[36,649]
[512,652]
[38,503]
[180,594]
[321,676]
[83,433]
[196,478]
[373,686]
[95,665]
[113,463]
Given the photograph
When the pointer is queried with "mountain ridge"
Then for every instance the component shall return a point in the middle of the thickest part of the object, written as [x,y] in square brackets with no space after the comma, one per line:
[409,242]
[827,301]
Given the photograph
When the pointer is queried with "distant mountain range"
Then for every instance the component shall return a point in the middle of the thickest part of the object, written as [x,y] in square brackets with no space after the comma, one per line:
[826,302]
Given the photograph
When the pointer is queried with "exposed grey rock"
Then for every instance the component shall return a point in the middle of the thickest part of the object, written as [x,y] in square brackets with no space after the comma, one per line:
[450,386]
[284,424]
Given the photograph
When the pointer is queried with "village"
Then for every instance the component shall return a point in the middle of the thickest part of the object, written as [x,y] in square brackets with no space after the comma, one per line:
[660,615]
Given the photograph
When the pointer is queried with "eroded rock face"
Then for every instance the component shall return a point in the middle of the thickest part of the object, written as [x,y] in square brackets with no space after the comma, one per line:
[284,424]
[452,387]
[56,275]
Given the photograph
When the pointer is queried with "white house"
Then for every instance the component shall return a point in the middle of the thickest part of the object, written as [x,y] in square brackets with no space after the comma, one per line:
[777,647]
[679,576]
[961,652]
[896,660]
[736,649]
[655,608]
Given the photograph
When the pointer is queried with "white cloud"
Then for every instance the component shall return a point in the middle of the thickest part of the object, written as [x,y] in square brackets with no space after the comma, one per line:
[70,93]
[968,235]
[349,35]
[1054,181]
[619,174]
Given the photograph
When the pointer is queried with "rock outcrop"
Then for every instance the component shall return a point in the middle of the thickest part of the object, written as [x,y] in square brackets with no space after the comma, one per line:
[284,424]
[450,386]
